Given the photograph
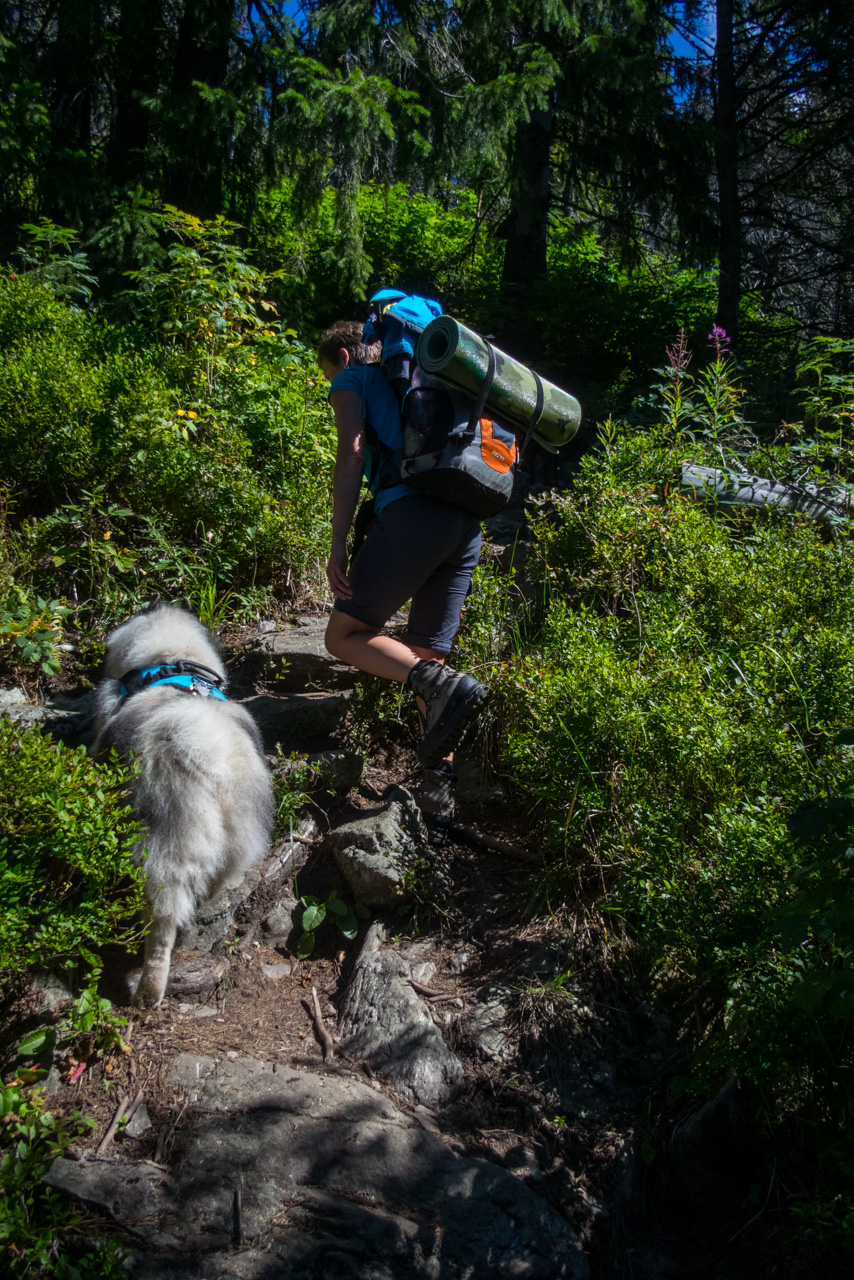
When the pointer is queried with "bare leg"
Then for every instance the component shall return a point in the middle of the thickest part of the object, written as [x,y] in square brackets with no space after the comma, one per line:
[370,650]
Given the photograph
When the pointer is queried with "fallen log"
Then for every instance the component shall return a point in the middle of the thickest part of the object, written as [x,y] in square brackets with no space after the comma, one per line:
[726,485]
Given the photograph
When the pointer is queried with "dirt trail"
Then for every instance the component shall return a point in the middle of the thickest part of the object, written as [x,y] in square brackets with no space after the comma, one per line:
[254,1151]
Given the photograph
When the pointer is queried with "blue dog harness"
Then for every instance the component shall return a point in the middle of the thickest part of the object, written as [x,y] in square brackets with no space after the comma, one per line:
[192,677]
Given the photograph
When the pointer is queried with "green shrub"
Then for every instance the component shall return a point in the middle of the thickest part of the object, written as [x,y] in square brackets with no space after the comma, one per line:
[66,877]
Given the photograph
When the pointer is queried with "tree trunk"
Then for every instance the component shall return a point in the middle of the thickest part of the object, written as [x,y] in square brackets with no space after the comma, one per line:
[527,223]
[74,73]
[726,167]
[138,72]
[195,167]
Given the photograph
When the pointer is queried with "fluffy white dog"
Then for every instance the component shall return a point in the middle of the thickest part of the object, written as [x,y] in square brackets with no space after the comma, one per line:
[204,792]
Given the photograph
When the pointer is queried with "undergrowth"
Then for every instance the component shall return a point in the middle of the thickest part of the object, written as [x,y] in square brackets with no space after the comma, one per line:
[674,720]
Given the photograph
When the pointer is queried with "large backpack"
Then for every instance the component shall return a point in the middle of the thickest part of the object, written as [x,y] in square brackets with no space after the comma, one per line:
[450,450]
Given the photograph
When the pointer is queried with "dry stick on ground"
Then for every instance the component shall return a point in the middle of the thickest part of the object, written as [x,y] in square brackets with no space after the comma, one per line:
[323,1035]
[114,1124]
[492,842]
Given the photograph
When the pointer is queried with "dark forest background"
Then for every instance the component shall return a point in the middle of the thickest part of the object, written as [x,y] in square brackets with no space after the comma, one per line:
[716,135]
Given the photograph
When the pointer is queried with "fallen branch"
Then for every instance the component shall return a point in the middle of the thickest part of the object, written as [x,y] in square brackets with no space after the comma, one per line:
[114,1124]
[492,842]
[424,991]
[725,485]
[326,1045]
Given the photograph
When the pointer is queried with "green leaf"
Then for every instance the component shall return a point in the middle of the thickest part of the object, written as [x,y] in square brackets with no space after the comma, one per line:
[313,916]
[305,946]
[35,1042]
[349,925]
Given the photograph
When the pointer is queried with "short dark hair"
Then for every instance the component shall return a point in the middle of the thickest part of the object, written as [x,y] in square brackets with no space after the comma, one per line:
[347,334]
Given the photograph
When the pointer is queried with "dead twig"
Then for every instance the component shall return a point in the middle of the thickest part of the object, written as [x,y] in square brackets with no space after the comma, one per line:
[435,997]
[422,990]
[326,1045]
[114,1124]
[135,1105]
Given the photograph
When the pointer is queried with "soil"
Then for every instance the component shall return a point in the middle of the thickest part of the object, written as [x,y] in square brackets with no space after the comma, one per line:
[600,1166]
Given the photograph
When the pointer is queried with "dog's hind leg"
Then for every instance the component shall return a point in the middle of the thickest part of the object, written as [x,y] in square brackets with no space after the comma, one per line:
[158,953]
[172,907]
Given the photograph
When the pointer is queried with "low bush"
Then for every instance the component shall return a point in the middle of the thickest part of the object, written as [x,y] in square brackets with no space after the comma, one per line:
[66,877]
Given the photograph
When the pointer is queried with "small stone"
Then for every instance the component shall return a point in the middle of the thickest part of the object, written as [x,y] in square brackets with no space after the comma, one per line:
[424,972]
[282,919]
[232,1055]
[275,972]
[139,1123]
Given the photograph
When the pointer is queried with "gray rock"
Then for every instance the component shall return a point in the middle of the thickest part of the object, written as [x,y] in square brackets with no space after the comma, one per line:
[275,972]
[334,770]
[65,716]
[215,917]
[12,700]
[192,975]
[298,658]
[14,705]
[123,1191]
[296,716]
[385,857]
[484,1021]
[333,1180]
[285,916]
[49,989]
[139,1123]
[384,1023]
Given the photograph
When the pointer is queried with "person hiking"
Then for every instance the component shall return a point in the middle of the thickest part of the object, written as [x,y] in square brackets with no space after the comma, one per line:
[416,548]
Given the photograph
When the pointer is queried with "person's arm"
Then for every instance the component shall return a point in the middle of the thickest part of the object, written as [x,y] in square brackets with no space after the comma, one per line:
[346,484]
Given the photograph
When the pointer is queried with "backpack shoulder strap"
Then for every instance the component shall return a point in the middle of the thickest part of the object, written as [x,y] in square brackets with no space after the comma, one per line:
[480,403]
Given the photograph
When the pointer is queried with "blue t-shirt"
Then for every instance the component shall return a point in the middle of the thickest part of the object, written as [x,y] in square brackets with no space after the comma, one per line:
[378,406]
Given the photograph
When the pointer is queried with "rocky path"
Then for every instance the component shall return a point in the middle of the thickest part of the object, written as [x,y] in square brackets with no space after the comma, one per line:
[454,1094]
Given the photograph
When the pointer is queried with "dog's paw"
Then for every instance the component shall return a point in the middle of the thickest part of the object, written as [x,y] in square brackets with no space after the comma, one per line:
[150,990]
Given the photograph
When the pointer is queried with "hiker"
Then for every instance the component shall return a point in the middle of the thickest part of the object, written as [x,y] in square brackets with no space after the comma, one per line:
[416,548]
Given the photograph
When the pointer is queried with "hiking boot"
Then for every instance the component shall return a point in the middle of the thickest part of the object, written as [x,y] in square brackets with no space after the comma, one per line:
[435,799]
[451,699]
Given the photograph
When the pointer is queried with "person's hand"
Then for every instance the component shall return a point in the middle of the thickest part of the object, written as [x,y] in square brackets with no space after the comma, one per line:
[336,574]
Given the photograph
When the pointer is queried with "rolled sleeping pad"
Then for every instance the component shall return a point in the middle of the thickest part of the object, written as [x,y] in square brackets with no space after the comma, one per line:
[459,358]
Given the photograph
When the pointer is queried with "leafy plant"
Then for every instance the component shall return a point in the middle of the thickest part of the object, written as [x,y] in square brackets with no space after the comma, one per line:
[35,628]
[316,910]
[35,1222]
[67,876]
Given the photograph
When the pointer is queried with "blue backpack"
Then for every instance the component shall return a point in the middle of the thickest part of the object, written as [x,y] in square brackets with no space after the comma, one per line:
[450,449]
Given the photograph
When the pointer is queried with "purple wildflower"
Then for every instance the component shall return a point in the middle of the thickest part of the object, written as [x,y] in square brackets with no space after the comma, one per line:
[719,338]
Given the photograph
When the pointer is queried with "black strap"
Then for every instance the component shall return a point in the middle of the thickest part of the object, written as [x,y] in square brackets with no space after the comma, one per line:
[485,389]
[537,414]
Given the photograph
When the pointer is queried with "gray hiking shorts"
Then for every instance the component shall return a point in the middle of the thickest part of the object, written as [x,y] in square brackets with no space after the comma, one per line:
[417,549]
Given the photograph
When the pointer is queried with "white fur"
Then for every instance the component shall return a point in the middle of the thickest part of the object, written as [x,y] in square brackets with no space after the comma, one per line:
[204,793]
